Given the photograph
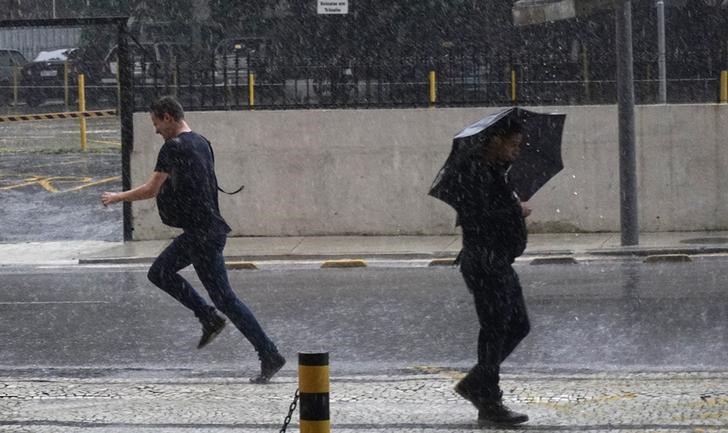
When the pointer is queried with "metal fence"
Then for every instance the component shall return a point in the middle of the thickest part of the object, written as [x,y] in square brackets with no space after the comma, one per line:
[237,82]
[247,82]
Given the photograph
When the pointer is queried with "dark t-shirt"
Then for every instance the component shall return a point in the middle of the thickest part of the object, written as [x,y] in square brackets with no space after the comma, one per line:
[188,161]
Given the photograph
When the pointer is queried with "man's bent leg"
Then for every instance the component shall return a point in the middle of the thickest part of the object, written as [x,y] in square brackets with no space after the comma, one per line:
[164,274]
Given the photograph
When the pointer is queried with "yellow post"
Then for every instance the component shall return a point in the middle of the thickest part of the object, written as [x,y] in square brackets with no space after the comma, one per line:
[723,87]
[15,84]
[585,69]
[66,93]
[433,87]
[175,84]
[251,90]
[82,108]
[118,84]
[513,85]
[313,387]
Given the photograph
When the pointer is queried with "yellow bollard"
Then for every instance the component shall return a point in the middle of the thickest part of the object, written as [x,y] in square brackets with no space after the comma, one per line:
[433,87]
[16,69]
[313,386]
[513,86]
[66,93]
[251,90]
[723,87]
[82,108]
[118,84]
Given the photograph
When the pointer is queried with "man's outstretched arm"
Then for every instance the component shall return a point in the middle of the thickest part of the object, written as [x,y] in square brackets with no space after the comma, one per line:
[150,189]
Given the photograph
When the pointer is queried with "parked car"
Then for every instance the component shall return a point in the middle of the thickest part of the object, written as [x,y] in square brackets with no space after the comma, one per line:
[151,61]
[232,55]
[236,57]
[11,62]
[49,72]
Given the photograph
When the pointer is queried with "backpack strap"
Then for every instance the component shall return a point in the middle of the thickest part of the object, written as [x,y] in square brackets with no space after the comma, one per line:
[213,163]
[176,140]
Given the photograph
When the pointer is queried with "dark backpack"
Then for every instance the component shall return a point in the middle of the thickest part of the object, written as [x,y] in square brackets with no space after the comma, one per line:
[172,207]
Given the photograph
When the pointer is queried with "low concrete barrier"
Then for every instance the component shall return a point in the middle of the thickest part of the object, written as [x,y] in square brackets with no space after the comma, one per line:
[333,172]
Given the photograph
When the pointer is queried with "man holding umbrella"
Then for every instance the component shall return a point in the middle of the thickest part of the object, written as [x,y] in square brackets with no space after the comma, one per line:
[476,181]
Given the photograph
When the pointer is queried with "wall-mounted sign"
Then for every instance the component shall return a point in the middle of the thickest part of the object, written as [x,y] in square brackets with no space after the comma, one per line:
[333,7]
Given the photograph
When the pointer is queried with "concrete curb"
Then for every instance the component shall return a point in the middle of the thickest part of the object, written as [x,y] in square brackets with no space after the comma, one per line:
[438,259]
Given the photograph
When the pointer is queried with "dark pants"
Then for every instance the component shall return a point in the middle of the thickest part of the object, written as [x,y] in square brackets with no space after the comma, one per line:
[205,254]
[502,315]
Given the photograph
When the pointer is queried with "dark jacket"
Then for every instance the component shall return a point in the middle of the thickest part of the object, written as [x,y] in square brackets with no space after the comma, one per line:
[489,212]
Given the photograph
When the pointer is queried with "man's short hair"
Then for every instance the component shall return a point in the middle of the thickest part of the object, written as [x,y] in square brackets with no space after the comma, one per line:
[167,105]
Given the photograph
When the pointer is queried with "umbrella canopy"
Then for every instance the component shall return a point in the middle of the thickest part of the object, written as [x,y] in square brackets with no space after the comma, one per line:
[539,160]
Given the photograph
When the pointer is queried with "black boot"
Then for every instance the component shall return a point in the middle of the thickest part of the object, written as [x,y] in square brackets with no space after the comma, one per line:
[270,364]
[496,413]
[479,386]
[211,328]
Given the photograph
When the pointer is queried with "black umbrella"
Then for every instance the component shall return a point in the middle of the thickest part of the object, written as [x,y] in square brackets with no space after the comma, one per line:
[539,161]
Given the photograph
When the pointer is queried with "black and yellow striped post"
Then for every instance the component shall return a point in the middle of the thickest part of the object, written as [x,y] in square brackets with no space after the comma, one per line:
[313,386]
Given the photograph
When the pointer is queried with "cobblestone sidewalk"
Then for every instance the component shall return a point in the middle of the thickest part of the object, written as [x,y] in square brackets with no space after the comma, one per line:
[650,402]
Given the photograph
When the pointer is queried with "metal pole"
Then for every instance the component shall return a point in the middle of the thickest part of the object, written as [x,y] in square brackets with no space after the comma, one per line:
[625,108]
[126,117]
[662,96]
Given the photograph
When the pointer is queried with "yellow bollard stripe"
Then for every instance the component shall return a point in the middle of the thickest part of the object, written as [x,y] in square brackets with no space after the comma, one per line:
[313,379]
[314,426]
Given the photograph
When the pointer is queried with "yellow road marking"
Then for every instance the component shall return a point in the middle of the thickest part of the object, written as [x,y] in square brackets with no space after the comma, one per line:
[93,183]
[47,182]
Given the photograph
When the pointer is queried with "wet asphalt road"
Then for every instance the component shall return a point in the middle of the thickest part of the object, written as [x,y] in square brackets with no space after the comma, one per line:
[595,317]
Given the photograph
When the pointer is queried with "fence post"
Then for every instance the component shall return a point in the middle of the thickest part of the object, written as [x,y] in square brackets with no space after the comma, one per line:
[82,108]
[251,90]
[514,88]
[313,386]
[432,79]
[723,87]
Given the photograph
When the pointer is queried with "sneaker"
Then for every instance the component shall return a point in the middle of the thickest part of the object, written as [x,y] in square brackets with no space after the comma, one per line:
[269,366]
[496,413]
[211,329]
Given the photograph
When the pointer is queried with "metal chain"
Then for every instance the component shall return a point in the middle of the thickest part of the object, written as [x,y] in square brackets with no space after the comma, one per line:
[290,413]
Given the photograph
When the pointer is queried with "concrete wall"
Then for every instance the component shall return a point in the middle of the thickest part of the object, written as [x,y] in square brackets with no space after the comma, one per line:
[320,172]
